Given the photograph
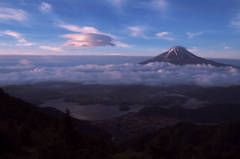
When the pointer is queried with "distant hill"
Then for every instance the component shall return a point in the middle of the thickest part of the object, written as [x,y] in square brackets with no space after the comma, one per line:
[217,113]
[179,55]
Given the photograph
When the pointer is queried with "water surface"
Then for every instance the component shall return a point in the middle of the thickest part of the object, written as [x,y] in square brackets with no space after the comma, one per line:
[90,112]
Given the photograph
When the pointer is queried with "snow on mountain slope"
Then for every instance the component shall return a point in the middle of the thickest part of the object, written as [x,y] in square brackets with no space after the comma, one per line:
[181,56]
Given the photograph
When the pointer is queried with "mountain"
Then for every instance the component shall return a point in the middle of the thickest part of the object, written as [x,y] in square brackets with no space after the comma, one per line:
[27,131]
[180,56]
[217,113]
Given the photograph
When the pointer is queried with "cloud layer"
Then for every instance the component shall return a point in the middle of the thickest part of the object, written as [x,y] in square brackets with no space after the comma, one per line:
[163,74]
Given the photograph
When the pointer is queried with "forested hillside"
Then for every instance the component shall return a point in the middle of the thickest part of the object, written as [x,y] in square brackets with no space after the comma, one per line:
[216,113]
[27,132]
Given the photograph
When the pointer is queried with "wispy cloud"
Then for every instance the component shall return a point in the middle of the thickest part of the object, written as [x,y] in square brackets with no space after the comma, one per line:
[88,40]
[235,23]
[16,35]
[161,34]
[160,5]
[3,44]
[165,35]
[117,3]
[51,48]
[194,49]
[74,28]
[191,35]
[157,5]
[137,31]
[84,29]
[27,44]
[120,44]
[13,14]
[19,37]
[226,47]
[45,7]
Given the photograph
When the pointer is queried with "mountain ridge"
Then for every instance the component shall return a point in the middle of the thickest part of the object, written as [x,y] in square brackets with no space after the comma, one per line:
[179,55]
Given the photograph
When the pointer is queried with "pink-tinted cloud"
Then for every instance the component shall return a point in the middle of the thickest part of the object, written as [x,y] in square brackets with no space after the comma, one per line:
[13,14]
[25,62]
[120,44]
[19,37]
[74,28]
[27,44]
[88,37]
[51,48]
[16,35]
[3,44]
[88,40]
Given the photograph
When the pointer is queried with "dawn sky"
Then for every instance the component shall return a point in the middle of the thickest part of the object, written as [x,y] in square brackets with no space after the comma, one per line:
[208,28]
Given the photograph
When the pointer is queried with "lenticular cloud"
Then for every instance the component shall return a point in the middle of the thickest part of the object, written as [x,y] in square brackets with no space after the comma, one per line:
[163,74]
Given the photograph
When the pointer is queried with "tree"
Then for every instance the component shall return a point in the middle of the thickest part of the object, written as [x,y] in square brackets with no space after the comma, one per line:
[71,135]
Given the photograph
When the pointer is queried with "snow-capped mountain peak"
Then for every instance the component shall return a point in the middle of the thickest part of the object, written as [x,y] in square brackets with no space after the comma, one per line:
[181,56]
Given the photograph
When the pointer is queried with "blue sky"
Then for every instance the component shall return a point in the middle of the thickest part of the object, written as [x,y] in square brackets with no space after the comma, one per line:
[208,28]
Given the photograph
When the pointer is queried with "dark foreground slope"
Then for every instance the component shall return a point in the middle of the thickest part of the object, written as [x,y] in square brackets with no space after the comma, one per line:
[191,141]
[27,132]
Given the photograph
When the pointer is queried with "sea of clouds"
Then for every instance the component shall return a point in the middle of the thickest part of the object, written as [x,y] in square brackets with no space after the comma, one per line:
[163,74]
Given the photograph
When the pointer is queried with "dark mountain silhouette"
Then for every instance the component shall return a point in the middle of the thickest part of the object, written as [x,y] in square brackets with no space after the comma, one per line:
[217,113]
[27,131]
[180,56]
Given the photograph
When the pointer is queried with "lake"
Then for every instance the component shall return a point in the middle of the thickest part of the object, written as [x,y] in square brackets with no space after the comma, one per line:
[90,112]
